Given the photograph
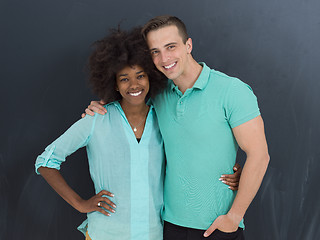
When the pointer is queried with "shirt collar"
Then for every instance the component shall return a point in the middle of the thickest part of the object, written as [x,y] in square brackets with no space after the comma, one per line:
[117,104]
[202,80]
[172,85]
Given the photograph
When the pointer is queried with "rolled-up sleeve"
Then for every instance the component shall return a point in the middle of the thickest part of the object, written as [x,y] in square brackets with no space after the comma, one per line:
[77,136]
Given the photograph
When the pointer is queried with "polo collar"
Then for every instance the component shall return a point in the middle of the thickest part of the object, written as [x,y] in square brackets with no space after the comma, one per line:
[172,85]
[202,80]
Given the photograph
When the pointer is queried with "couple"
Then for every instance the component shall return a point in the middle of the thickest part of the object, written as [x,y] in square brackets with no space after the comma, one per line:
[203,116]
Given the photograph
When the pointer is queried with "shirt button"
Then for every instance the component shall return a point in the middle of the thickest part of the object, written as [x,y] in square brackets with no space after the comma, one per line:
[181,102]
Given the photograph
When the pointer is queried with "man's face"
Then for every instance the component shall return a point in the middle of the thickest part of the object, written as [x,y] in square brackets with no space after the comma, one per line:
[170,55]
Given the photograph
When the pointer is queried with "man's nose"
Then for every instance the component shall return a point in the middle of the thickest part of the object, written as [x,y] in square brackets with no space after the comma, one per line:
[165,56]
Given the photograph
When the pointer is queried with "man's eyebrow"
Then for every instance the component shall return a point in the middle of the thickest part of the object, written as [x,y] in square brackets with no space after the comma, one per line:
[168,44]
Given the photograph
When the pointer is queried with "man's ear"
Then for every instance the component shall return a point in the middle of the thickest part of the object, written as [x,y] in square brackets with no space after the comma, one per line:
[189,45]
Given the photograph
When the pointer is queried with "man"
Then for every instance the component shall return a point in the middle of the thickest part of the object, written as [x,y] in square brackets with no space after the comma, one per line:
[204,116]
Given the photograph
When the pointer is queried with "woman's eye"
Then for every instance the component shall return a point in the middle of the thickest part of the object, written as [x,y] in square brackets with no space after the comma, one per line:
[123,79]
[171,47]
[154,52]
[140,76]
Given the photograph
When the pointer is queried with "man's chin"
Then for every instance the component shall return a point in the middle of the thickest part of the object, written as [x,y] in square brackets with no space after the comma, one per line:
[168,75]
[164,72]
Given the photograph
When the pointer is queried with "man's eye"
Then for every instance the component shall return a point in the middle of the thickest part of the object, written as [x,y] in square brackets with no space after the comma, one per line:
[171,47]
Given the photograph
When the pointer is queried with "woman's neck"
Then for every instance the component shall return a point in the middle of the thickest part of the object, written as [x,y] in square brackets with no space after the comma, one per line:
[134,110]
[136,116]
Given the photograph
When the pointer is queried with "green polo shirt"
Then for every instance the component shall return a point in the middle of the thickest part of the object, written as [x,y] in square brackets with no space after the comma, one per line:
[197,130]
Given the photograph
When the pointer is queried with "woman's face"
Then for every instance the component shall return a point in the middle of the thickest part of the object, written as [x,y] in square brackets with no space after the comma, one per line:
[133,84]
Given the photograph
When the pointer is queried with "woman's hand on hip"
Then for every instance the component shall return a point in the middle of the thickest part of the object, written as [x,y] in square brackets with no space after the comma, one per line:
[98,203]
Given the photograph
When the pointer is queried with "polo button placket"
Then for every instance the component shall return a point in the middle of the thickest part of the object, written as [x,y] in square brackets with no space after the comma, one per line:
[180,103]
[181,107]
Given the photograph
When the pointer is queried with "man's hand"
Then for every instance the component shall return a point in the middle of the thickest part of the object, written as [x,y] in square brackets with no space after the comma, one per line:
[97,203]
[225,223]
[95,107]
[232,180]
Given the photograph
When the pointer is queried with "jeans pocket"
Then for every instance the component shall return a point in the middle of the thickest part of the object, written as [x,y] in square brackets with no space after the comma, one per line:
[227,235]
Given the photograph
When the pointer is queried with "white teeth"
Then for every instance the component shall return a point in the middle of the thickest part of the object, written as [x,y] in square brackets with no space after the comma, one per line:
[135,94]
[170,66]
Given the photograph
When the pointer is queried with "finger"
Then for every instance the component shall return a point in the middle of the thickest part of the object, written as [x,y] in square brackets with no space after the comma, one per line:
[234,188]
[83,115]
[236,167]
[105,192]
[238,170]
[230,179]
[97,109]
[97,106]
[210,230]
[89,112]
[231,184]
[106,206]
[231,176]
[107,200]
[98,209]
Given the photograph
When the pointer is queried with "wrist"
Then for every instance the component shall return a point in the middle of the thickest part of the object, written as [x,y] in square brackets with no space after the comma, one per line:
[236,217]
[78,204]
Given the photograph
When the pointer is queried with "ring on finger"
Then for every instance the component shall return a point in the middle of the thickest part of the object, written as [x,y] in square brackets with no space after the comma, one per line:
[99,204]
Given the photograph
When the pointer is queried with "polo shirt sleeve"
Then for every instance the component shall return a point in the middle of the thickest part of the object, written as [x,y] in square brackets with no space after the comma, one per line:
[77,136]
[241,104]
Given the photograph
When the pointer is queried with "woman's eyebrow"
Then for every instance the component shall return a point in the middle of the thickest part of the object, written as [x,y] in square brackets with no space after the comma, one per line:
[123,75]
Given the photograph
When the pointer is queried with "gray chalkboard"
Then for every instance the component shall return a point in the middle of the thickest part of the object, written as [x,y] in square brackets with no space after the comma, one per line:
[271,45]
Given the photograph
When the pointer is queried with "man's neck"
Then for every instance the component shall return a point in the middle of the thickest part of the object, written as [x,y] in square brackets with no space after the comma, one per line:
[189,77]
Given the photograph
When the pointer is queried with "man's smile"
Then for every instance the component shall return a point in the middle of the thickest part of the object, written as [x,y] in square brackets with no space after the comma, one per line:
[167,67]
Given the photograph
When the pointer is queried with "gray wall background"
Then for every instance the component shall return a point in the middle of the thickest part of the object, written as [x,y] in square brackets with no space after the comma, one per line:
[271,45]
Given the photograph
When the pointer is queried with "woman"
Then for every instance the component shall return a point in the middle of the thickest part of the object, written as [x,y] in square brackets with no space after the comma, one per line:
[124,147]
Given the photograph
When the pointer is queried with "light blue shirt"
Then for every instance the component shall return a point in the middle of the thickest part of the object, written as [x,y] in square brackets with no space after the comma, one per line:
[132,171]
